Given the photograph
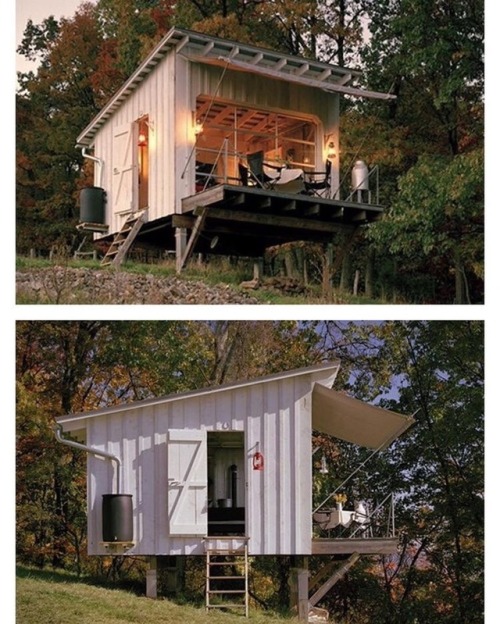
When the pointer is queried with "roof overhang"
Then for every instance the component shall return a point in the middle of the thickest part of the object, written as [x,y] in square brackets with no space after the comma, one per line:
[203,48]
[326,372]
[354,421]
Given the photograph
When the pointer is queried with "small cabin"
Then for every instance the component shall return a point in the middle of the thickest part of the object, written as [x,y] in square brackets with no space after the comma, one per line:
[214,146]
[228,469]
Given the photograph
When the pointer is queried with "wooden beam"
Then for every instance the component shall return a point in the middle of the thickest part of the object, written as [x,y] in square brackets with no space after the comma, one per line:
[195,234]
[274,220]
[290,206]
[336,576]
[348,545]
[312,210]
[183,221]
[207,197]
[359,215]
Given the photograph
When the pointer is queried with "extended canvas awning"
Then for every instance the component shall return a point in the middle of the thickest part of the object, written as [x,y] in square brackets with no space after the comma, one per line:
[354,421]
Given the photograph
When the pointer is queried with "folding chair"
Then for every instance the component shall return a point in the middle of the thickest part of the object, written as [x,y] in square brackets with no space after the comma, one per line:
[256,170]
[318,182]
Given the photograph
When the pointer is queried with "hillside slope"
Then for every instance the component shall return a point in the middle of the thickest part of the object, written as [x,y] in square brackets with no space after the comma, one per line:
[59,598]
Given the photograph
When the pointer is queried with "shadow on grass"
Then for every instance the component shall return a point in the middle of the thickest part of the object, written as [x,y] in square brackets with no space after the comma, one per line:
[133,586]
[64,576]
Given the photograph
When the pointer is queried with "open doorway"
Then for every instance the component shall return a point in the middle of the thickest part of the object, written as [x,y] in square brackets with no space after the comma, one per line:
[226,483]
[143,139]
[229,132]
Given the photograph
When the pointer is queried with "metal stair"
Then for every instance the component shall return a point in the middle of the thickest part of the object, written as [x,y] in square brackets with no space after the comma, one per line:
[235,560]
[123,240]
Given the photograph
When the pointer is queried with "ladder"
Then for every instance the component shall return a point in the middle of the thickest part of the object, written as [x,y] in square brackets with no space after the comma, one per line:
[235,560]
[123,240]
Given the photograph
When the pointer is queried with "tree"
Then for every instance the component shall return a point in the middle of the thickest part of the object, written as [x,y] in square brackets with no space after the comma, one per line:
[67,90]
[436,469]
[438,216]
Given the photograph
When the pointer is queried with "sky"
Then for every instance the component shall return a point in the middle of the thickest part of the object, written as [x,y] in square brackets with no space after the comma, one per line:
[38,10]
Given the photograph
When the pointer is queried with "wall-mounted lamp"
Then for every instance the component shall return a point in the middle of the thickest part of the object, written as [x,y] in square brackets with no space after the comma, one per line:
[198,127]
[324,468]
[330,154]
[142,139]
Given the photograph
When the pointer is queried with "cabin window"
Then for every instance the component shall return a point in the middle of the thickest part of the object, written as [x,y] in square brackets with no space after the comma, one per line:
[227,133]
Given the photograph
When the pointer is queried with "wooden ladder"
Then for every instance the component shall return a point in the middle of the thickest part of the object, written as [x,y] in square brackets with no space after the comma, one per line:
[238,559]
[123,240]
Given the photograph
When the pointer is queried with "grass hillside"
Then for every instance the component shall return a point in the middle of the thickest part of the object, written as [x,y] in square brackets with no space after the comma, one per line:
[61,598]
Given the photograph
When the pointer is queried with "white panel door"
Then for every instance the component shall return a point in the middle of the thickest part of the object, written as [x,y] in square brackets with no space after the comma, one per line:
[124,168]
[187,482]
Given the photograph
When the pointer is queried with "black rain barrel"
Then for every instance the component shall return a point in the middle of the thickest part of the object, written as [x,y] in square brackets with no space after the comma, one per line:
[117,525]
[92,202]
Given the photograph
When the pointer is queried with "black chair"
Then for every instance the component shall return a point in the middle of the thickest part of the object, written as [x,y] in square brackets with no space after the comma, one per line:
[318,182]
[256,170]
[204,176]
[243,173]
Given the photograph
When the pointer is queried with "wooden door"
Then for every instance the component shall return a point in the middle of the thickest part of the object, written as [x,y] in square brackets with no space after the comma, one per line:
[124,168]
[187,482]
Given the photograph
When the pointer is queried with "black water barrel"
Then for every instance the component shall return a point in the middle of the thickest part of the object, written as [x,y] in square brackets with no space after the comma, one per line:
[92,204]
[117,525]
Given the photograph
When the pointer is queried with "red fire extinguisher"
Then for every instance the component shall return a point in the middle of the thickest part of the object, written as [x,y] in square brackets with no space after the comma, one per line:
[258,461]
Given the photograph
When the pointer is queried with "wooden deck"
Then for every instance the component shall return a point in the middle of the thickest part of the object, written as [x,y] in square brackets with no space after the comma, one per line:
[247,220]
[363,546]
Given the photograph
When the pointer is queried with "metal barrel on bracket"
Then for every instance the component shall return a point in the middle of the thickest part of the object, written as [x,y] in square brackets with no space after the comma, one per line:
[92,204]
[117,523]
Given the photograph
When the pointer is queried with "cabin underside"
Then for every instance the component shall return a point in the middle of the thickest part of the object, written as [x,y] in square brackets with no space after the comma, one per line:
[246,221]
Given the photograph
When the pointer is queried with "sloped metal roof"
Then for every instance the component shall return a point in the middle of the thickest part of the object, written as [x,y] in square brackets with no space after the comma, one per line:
[329,369]
[203,48]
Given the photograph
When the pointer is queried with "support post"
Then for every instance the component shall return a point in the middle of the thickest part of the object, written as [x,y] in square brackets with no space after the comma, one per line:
[152,578]
[258,269]
[299,588]
[180,247]
[195,234]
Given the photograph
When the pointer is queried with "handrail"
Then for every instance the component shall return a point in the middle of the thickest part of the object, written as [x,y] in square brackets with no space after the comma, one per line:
[390,519]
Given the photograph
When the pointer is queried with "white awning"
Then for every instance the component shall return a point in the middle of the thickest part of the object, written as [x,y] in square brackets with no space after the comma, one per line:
[354,421]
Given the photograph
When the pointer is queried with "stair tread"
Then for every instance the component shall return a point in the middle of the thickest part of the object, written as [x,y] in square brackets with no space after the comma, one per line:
[225,605]
[226,591]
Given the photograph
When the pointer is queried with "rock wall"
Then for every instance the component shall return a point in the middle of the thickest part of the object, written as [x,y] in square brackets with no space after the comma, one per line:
[64,285]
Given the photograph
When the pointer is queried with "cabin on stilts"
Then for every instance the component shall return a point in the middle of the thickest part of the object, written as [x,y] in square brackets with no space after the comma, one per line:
[218,147]
[227,473]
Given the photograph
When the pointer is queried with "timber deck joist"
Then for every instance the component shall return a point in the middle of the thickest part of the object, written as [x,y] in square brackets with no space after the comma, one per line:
[250,219]
[245,221]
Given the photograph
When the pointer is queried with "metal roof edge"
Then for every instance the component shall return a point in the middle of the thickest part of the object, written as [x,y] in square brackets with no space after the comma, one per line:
[179,37]
[331,365]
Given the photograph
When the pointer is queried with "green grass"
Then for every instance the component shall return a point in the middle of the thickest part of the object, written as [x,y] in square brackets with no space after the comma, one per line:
[61,598]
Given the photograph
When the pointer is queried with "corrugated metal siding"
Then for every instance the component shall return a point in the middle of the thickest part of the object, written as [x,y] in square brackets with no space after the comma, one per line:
[276,415]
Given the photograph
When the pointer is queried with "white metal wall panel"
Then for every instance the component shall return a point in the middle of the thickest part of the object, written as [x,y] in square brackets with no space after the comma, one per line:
[276,419]
[155,98]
